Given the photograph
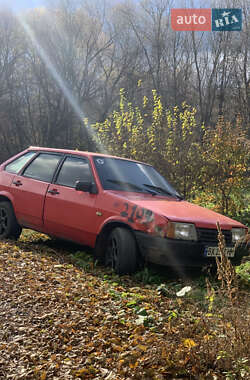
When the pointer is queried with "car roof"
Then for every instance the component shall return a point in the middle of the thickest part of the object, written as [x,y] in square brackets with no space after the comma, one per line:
[82,153]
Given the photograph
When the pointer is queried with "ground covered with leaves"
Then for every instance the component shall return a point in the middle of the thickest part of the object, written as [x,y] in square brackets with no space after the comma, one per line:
[61,317]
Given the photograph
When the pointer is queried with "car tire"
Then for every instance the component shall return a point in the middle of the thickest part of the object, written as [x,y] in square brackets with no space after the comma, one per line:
[236,261]
[121,251]
[241,251]
[9,228]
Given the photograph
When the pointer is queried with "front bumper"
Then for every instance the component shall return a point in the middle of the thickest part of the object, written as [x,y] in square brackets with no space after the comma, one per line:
[176,253]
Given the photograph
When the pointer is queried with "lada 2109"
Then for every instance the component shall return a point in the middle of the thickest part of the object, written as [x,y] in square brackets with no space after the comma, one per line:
[124,209]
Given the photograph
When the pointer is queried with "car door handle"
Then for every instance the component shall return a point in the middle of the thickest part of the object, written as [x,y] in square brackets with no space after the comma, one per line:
[17,183]
[53,192]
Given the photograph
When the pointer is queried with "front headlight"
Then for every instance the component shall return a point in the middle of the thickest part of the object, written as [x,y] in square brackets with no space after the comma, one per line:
[183,231]
[237,234]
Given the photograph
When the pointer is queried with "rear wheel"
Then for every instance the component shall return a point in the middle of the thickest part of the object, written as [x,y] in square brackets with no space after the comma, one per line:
[9,228]
[121,251]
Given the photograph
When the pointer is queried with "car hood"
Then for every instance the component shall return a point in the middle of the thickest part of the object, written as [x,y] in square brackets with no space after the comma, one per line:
[179,210]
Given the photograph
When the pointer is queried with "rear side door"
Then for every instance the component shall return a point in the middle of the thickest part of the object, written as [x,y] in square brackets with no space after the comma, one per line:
[30,187]
[69,213]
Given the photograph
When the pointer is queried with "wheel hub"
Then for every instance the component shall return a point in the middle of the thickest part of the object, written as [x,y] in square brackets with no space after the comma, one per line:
[112,255]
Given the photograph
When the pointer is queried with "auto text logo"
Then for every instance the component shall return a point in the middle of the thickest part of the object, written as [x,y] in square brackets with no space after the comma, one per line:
[206,19]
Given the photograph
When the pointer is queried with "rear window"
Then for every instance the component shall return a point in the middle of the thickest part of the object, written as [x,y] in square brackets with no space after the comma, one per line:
[17,165]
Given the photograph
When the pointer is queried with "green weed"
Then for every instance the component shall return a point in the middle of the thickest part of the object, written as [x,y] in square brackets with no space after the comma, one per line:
[243,271]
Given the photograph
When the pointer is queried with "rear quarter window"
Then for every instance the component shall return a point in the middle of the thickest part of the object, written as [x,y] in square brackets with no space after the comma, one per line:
[17,165]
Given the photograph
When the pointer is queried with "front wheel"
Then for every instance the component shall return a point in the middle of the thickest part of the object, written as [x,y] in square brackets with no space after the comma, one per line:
[121,252]
[9,228]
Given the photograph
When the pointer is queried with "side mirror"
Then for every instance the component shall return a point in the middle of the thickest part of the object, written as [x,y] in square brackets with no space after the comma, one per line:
[87,187]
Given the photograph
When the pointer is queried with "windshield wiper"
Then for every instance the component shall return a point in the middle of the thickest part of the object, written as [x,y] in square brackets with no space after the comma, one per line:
[131,185]
[164,191]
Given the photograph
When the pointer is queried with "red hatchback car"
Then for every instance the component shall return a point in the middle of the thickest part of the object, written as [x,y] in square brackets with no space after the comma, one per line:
[124,209]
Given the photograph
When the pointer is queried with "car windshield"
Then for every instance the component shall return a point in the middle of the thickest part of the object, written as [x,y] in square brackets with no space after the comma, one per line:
[123,175]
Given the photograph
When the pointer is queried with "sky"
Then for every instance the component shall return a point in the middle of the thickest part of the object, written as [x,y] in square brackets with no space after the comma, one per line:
[21,4]
[28,4]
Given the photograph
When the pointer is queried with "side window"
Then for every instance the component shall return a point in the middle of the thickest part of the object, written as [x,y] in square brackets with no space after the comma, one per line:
[74,169]
[16,165]
[43,167]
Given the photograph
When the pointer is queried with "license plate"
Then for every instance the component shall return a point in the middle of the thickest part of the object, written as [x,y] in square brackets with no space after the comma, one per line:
[215,252]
